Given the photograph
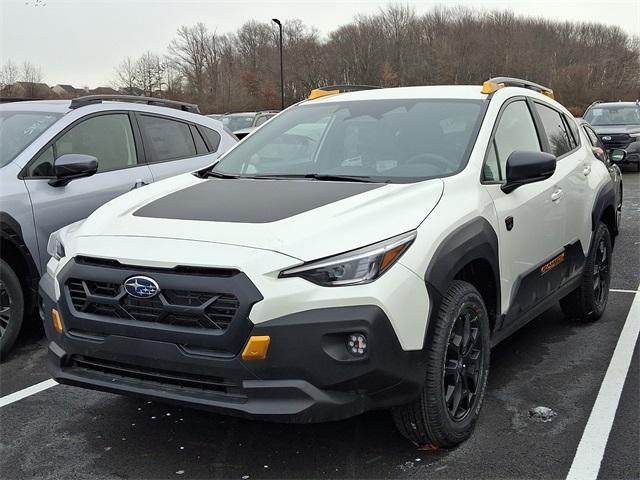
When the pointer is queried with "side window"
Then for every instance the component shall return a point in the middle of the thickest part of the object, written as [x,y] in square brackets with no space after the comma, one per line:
[201,147]
[213,137]
[593,138]
[560,140]
[166,139]
[491,171]
[109,138]
[515,131]
[573,128]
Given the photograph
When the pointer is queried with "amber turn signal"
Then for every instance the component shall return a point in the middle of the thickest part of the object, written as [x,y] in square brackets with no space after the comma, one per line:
[57,320]
[256,348]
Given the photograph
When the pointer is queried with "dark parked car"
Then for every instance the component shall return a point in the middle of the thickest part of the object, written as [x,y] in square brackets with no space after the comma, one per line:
[618,126]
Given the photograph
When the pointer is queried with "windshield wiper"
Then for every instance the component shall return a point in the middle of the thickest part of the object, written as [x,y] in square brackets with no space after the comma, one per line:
[318,176]
[213,173]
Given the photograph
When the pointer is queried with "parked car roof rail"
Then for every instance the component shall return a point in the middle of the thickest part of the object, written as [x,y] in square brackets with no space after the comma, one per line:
[18,99]
[161,102]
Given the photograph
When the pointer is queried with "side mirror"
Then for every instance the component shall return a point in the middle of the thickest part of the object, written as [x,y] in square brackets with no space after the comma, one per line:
[617,155]
[71,166]
[528,167]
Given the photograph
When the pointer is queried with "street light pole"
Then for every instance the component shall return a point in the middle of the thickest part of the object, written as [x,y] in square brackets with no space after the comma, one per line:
[279,23]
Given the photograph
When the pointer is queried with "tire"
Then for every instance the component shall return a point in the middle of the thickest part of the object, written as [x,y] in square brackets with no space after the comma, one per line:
[11,308]
[432,418]
[588,302]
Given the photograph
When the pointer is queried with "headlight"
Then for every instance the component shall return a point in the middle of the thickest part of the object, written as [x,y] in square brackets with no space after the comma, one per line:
[55,248]
[355,267]
[635,135]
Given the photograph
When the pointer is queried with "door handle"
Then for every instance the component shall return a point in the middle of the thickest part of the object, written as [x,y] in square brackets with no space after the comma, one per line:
[139,183]
[557,195]
[586,170]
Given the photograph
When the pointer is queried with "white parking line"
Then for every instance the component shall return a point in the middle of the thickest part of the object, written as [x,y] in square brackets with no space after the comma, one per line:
[26,392]
[586,463]
[620,290]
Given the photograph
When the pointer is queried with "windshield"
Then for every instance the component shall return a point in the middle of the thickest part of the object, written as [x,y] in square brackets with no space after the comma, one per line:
[381,140]
[614,115]
[18,129]
[238,122]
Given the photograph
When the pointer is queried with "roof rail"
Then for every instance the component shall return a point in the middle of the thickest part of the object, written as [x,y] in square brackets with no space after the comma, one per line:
[496,83]
[17,99]
[160,102]
[334,89]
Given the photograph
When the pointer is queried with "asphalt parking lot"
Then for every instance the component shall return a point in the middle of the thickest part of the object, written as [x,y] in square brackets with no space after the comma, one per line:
[67,432]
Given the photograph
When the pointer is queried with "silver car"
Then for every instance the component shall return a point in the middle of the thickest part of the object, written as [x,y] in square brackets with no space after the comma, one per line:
[60,160]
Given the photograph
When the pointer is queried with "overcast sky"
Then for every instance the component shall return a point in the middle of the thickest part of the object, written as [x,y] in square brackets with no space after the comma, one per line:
[81,41]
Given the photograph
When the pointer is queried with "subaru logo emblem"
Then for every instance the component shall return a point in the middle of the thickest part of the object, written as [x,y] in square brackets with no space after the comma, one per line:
[141,287]
[606,138]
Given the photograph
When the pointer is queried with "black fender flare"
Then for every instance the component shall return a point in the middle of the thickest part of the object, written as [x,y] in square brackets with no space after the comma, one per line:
[473,240]
[606,197]
[11,232]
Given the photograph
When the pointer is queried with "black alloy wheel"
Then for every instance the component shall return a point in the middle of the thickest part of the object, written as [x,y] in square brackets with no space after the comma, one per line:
[601,274]
[463,363]
[5,308]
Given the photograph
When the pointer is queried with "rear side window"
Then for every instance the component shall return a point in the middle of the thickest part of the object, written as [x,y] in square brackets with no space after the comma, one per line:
[593,138]
[166,139]
[573,128]
[213,138]
[560,140]
[515,131]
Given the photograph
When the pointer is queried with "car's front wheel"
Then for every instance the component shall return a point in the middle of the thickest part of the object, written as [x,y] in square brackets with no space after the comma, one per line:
[588,301]
[457,368]
[11,308]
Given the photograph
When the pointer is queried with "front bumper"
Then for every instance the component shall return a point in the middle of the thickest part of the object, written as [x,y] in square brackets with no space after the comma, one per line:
[308,375]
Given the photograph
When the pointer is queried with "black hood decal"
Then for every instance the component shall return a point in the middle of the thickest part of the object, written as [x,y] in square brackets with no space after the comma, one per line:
[250,201]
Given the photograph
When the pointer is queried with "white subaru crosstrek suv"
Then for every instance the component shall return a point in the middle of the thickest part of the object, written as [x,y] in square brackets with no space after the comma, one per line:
[361,250]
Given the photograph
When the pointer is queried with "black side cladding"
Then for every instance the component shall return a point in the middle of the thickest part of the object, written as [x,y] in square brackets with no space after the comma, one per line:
[250,201]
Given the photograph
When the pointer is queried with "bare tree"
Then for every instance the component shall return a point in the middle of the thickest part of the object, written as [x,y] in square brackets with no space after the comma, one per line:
[125,76]
[393,47]
[8,76]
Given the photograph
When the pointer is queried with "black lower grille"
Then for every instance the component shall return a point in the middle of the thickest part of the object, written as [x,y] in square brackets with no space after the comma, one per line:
[162,378]
[184,308]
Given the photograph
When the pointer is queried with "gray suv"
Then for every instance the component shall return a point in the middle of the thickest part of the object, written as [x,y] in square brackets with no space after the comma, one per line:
[60,160]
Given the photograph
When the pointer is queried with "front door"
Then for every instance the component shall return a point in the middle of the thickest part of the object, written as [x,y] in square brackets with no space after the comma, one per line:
[531,218]
[109,138]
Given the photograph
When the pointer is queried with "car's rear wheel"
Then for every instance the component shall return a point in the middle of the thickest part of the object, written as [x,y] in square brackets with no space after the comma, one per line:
[588,302]
[11,308]
[446,411]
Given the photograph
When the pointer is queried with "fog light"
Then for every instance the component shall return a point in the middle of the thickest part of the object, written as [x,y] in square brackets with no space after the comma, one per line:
[57,320]
[357,344]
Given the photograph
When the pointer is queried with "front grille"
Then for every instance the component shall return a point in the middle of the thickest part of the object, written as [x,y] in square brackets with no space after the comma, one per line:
[186,308]
[159,377]
[618,140]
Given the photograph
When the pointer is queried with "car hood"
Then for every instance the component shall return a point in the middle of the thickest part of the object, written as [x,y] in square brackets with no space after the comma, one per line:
[605,129]
[305,219]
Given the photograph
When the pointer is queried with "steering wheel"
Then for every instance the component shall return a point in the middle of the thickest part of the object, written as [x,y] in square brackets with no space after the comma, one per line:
[432,159]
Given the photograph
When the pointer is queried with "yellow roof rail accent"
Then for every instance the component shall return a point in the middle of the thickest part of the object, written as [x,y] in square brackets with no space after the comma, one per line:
[335,89]
[496,83]
[490,87]
[319,92]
